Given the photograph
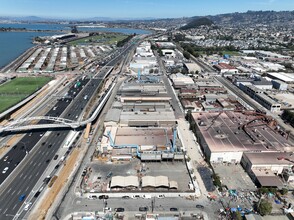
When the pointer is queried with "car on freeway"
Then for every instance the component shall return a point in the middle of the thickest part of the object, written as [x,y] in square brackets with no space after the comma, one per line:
[161,196]
[37,194]
[22,197]
[143,209]
[119,209]
[199,206]
[173,209]
[5,170]
[27,206]
[5,158]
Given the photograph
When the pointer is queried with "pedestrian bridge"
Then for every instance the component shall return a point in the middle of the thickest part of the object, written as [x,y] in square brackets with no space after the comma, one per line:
[47,122]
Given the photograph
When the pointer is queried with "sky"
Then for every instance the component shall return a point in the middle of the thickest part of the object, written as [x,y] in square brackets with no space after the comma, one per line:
[135,8]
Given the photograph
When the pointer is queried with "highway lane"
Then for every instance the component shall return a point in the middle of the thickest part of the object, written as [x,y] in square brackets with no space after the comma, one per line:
[9,203]
[40,158]
[12,158]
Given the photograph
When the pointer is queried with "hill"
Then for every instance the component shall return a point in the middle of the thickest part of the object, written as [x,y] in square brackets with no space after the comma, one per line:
[254,17]
[197,22]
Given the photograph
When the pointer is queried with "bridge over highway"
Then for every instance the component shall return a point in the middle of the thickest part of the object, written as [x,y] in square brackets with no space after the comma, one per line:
[27,124]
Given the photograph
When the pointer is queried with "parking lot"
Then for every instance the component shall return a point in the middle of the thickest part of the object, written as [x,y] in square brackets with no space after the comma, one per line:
[234,177]
[100,173]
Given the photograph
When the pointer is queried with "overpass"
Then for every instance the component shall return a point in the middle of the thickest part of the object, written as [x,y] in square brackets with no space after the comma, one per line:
[27,124]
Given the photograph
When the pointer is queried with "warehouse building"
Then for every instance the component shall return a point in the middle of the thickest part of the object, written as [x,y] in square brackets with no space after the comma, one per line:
[225,136]
[265,167]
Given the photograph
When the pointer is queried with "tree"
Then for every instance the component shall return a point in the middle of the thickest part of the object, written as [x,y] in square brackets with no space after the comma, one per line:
[284,191]
[264,207]
[263,190]
[238,216]
[186,55]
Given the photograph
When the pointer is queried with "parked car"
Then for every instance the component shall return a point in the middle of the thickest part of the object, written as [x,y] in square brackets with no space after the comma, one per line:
[199,206]
[136,196]
[160,196]
[125,197]
[103,197]
[119,209]
[173,209]
[143,209]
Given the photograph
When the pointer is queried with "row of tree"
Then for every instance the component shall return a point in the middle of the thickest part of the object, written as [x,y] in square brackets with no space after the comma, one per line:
[288,116]
[124,41]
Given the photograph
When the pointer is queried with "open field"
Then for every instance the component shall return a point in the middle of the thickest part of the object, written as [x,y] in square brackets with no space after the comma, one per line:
[103,39]
[17,89]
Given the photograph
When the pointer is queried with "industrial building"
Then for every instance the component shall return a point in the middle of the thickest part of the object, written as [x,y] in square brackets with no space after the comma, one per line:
[284,77]
[180,80]
[264,167]
[279,85]
[259,96]
[224,136]
[226,69]
[143,59]
[192,67]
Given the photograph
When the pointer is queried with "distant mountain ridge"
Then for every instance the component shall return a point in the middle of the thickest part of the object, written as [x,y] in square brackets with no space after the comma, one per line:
[254,17]
[244,18]
[197,22]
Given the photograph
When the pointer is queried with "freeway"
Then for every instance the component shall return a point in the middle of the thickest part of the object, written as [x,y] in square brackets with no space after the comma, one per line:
[35,159]
[23,180]
[26,144]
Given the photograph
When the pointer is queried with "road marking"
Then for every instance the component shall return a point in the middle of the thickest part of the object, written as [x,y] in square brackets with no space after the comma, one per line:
[43,152]
[31,162]
[9,190]
[21,175]
[19,192]
[30,177]
[25,177]
[13,192]
[5,211]
[27,188]
[35,164]
[14,207]
[37,174]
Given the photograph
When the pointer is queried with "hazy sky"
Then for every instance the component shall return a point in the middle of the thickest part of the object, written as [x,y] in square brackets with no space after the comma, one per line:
[135,8]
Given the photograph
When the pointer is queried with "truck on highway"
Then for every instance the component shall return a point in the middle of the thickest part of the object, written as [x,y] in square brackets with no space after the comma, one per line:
[52,181]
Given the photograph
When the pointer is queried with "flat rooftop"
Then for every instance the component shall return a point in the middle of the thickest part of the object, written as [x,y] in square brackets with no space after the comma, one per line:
[223,133]
[144,136]
[276,158]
